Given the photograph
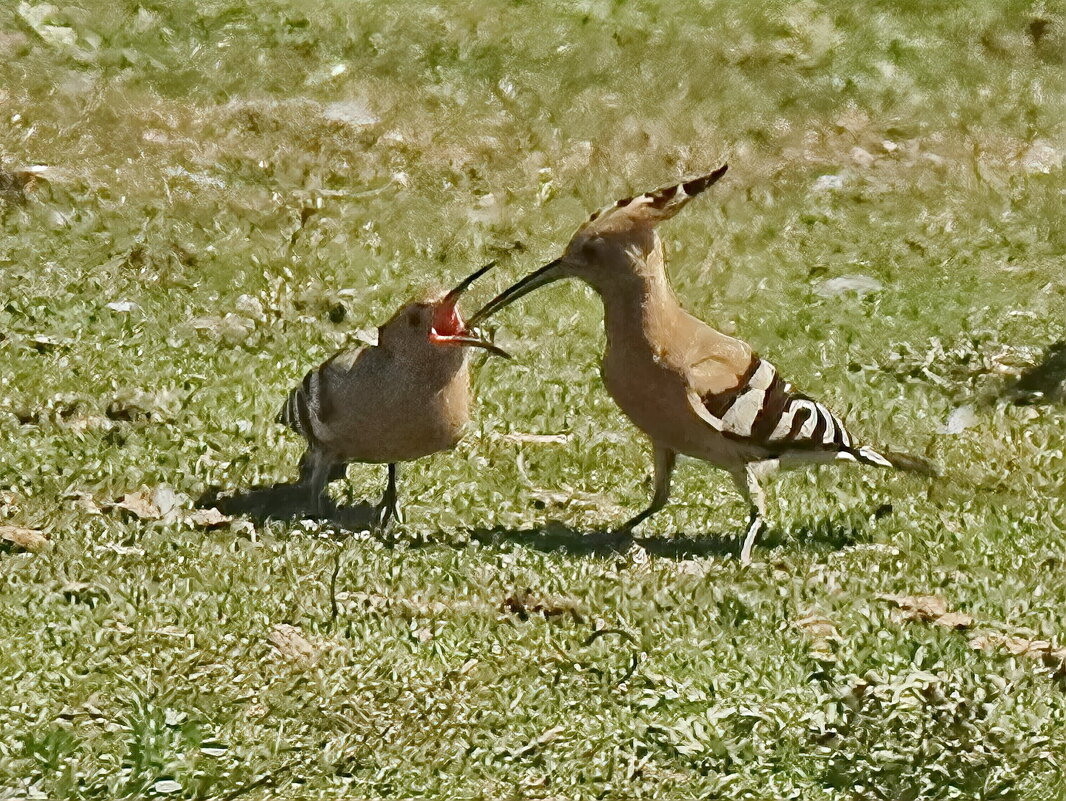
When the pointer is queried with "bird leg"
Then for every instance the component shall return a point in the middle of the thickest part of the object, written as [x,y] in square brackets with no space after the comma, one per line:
[316,483]
[664,468]
[337,470]
[389,508]
[748,484]
[316,471]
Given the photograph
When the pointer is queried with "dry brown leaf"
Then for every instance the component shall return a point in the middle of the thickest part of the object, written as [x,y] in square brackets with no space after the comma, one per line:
[817,627]
[27,539]
[524,604]
[88,422]
[1039,650]
[822,632]
[955,620]
[209,518]
[139,505]
[86,503]
[1019,646]
[291,643]
[919,607]
[929,609]
[549,735]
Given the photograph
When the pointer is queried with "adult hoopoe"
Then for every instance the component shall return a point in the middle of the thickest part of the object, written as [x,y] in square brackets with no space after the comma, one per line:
[690,388]
[406,397]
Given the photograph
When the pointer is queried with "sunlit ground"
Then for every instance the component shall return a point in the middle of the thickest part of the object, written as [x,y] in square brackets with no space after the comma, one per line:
[234,192]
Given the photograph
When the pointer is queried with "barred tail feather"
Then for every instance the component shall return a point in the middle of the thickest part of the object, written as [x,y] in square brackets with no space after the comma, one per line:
[293,411]
[900,461]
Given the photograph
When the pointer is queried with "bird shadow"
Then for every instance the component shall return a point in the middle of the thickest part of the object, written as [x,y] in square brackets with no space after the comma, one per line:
[1044,382]
[290,501]
[842,530]
[286,501]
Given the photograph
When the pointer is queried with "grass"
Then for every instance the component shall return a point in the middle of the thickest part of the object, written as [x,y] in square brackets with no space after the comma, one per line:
[188,141]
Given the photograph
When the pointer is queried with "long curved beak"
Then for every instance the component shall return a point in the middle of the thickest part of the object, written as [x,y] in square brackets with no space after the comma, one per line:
[545,275]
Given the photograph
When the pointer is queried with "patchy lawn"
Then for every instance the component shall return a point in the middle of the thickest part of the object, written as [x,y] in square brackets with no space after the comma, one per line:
[235,190]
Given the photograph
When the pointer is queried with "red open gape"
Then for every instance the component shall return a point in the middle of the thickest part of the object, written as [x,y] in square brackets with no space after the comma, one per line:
[447,321]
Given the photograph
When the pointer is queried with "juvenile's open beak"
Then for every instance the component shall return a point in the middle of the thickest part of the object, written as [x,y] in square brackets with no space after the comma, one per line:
[453,296]
[545,275]
[448,326]
[471,339]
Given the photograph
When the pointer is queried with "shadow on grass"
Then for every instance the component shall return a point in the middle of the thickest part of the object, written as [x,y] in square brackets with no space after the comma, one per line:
[284,501]
[287,501]
[1044,382]
[842,530]
[839,531]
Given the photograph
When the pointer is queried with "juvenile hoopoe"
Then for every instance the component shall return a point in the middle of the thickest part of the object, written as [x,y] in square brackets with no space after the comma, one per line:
[406,397]
[692,389]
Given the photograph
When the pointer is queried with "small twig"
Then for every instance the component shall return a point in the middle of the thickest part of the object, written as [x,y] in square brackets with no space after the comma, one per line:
[268,778]
[333,609]
[265,779]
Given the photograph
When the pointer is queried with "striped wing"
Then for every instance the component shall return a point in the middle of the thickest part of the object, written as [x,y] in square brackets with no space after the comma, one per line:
[765,410]
[310,405]
[303,407]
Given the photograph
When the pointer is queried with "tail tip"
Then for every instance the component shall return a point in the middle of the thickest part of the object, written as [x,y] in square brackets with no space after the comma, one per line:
[914,464]
[911,464]
[896,460]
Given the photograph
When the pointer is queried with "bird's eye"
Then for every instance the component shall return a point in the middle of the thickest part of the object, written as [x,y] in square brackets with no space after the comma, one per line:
[413,319]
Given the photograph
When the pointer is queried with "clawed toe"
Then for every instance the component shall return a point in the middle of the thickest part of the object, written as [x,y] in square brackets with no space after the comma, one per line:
[386,516]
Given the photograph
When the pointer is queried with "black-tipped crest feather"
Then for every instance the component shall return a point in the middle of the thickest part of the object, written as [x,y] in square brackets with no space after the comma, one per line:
[663,203]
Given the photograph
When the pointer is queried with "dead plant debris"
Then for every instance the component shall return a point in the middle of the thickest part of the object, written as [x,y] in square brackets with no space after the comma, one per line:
[1043,651]
[25,539]
[929,609]
[525,605]
[292,644]
[209,518]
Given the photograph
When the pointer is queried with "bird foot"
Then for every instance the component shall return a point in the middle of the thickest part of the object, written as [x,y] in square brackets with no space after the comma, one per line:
[386,517]
[636,557]
[754,528]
